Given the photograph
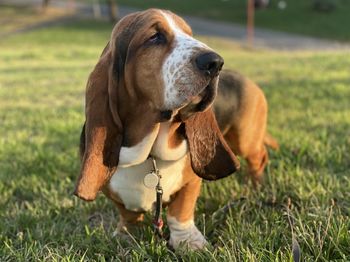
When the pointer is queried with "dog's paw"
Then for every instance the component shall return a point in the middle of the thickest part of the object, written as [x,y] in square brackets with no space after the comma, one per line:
[122,233]
[125,231]
[185,234]
[191,238]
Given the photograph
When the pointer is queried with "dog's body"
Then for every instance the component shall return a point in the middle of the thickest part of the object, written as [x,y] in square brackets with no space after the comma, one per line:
[241,112]
[133,112]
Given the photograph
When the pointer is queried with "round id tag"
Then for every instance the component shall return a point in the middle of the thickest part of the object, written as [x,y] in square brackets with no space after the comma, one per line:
[151,180]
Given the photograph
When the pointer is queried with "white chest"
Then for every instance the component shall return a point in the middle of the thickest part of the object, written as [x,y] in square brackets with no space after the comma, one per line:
[128,180]
[128,183]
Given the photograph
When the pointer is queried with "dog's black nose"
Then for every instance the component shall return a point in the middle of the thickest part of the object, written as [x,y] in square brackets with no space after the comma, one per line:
[209,63]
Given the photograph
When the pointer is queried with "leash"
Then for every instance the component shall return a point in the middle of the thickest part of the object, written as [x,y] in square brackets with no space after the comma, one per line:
[157,220]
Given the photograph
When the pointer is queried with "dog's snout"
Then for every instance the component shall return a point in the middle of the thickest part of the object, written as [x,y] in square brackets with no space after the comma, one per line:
[209,63]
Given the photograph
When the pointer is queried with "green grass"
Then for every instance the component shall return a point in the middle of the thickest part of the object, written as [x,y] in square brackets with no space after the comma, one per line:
[42,82]
[298,17]
[15,19]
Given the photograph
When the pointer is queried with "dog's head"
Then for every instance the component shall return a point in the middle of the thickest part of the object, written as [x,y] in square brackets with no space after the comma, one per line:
[152,70]
[156,57]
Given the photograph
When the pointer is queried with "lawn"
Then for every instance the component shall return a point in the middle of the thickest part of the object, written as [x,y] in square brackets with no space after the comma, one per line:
[298,17]
[307,184]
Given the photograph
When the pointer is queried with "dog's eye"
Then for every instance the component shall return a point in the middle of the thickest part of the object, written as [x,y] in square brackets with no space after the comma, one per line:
[157,38]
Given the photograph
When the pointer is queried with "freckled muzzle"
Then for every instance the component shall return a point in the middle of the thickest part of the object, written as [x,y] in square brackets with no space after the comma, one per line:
[190,74]
[209,65]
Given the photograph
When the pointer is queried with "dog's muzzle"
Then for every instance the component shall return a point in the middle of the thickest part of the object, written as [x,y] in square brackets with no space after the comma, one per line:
[209,64]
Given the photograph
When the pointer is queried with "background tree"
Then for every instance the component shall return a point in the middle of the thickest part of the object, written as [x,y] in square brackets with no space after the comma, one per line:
[113,10]
[45,4]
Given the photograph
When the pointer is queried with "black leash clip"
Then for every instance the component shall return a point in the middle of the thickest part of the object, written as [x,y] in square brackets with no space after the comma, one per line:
[157,220]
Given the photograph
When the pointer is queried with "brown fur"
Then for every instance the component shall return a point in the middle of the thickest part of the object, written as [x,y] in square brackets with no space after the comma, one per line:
[128,218]
[99,157]
[210,156]
[184,202]
[175,137]
[244,128]
[124,103]
[123,99]
[181,206]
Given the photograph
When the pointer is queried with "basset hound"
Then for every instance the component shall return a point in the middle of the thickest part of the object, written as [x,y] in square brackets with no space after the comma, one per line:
[151,95]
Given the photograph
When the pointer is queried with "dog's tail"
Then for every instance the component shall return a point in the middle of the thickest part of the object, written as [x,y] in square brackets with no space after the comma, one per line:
[271,142]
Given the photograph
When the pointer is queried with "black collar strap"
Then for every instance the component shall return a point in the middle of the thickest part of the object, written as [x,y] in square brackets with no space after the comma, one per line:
[157,220]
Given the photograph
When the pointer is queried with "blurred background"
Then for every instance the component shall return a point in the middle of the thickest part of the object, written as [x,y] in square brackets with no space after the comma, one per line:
[236,19]
[296,50]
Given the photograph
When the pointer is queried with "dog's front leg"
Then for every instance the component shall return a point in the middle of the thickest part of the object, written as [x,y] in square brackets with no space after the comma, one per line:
[128,220]
[180,216]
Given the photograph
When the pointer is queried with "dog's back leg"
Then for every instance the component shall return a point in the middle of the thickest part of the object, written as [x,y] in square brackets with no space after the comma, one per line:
[271,142]
[252,149]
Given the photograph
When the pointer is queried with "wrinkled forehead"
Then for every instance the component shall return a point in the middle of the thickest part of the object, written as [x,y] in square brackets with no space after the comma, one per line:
[165,21]
[181,34]
[175,23]
[138,24]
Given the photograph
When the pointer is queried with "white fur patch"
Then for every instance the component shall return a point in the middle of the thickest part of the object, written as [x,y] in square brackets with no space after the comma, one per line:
[181,79]
[127,182]
[185,233]
[137,154]
[161,149]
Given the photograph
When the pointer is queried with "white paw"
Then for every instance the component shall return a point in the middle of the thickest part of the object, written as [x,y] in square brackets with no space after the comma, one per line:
[120,232]
[185,234]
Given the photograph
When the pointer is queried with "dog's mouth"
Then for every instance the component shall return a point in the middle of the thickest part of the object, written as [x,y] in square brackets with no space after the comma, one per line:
[200,102]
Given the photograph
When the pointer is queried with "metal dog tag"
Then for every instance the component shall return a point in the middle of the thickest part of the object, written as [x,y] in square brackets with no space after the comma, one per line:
[151,180]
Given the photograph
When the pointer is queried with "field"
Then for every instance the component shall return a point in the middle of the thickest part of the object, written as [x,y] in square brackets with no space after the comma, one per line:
[305,195]
[298,17]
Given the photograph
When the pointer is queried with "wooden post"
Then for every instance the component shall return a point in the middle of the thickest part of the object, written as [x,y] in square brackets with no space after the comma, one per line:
[96,9]
[113,10]
[250,22]
[71,5]
[45,4]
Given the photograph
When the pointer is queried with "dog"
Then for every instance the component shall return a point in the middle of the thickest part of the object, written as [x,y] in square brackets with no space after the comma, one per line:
[241,112]
[150,100]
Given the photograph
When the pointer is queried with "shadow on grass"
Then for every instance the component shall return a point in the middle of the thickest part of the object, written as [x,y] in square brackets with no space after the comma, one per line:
[20,20]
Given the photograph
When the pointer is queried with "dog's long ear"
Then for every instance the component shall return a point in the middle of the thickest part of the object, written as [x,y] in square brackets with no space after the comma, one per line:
[102,133]
[211,158]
